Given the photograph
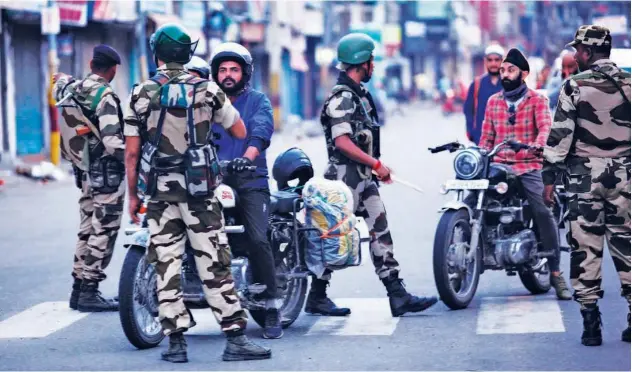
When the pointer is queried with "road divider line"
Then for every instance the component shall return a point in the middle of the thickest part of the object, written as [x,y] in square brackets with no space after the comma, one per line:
[369,317]
[519,315]
[40,320]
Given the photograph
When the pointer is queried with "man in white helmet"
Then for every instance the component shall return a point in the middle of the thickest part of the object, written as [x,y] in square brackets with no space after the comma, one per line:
[231,68]
[198,67]
[480,90]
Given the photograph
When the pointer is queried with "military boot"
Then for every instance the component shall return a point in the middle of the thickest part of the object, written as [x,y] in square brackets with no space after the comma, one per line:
[592,325]
[239,347]
[561,290]
[625,335]
[319,303]
[91,301]
[403,302]
[74,295]
[177,352]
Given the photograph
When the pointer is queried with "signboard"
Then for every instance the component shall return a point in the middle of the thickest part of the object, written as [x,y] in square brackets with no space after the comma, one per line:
[73,12]
[50,21]
[252,32]
[112,10]
[157,6]
[64,45]
[437,9]
[618,25]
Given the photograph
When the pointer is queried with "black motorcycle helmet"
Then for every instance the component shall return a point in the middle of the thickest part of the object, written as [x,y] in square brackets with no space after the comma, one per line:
[290,165]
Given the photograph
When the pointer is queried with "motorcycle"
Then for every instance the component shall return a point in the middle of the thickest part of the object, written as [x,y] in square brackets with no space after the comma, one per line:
[496,232]
[138,301]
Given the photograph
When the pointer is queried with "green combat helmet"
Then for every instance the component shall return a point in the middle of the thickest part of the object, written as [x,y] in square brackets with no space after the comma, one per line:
[355,48]
[172,43]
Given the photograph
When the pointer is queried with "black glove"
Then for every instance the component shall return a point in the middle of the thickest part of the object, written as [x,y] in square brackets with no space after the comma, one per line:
[239,165]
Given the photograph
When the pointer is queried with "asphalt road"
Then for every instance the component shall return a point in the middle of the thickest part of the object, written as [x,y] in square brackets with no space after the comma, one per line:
[503,329]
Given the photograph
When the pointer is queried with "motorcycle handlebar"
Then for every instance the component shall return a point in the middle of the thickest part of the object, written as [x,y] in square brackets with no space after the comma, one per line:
[452,146]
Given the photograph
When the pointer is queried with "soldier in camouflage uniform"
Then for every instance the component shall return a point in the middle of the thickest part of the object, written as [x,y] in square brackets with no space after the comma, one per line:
[173,214]
[590,142]
[102,195]
[349,120]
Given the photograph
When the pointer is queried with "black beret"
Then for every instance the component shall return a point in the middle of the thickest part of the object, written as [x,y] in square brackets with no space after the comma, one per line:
[515,57]
[106,55]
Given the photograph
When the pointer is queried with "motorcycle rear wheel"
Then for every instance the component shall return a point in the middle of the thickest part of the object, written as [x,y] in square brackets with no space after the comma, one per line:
[138,306]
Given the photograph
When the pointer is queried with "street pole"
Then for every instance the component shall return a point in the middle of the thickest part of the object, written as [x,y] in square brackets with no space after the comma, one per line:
[52,109]
[142,40]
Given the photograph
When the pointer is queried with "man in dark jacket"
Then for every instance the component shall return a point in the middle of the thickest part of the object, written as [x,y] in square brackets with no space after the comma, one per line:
[480,90]
[231,68]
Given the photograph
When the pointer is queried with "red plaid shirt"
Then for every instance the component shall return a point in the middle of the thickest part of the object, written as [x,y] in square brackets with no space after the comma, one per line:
[532,124]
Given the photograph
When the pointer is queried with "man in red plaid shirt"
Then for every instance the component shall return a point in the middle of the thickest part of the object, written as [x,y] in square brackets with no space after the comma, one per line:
[520,114]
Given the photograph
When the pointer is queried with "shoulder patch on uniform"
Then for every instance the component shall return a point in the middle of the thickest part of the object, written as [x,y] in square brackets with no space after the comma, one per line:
[346,94]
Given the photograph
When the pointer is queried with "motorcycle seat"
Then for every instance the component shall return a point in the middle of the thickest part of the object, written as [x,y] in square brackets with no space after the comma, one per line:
[283,201]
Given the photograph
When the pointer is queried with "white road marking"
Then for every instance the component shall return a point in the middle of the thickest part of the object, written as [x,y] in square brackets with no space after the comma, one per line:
[519,314]
[369,317]
[40,320]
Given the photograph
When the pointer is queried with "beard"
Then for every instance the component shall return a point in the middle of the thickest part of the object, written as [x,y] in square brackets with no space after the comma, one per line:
[493,73]
[235,87]
[509,85]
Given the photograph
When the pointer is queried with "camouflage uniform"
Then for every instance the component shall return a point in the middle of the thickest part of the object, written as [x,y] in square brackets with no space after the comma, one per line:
[343,115]
[100,212]
[172,213]
[590,142]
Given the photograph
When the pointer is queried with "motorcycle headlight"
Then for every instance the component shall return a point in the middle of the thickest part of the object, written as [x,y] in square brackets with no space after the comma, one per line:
[468,164]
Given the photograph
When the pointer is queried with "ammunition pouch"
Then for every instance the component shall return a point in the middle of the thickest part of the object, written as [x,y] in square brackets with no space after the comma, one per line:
[201,171]
[106,175]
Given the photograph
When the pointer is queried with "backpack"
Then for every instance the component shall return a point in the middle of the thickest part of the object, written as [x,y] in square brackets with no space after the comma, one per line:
[77,122]
[200,163]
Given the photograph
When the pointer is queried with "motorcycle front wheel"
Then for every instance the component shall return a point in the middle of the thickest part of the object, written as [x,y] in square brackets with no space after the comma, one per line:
[138,304]
[456,283]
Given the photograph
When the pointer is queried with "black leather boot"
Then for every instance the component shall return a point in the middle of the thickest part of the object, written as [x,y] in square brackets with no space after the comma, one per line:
[74,295]
[177,352]
[318,302]
[91,301]
[592,325]
[403,302]
[239,347]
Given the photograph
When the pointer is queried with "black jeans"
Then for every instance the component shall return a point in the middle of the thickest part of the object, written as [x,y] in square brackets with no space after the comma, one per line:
[542,215]
[253,211]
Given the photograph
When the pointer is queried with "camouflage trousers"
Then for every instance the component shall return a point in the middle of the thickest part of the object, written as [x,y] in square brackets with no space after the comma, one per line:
[100,216]
[368,205]
[599,206]
[170,224]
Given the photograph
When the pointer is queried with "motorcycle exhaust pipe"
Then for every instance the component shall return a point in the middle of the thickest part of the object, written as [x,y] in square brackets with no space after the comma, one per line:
[237,229]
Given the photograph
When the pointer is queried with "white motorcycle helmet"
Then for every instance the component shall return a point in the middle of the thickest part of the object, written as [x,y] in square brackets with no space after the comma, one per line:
[232,52]
[200,66]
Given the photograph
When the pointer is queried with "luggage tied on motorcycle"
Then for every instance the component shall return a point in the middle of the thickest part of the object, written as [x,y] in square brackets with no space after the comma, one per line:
[333,241]
[79,129]
[368,137]
[199,164]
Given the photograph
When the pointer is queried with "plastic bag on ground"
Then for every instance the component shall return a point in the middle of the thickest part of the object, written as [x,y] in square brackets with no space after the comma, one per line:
[329,209]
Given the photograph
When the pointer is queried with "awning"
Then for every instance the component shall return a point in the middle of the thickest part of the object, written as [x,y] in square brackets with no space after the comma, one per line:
[196,34]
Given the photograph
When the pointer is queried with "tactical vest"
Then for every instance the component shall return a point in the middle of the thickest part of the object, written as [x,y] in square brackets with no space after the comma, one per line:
[173,102]
[366,133]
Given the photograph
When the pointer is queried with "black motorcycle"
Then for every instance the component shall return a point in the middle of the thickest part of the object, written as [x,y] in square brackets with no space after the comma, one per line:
[138,302]
[494,230]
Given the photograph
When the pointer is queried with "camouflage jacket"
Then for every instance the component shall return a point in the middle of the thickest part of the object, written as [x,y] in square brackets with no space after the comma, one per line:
[108,111]
[343,115]
[141,119]
[592,120]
